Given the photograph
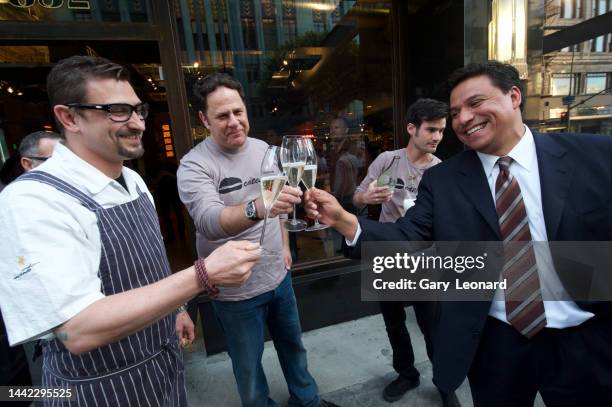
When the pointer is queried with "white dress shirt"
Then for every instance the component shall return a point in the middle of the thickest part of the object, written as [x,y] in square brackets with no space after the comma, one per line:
[51,253]
[524,167]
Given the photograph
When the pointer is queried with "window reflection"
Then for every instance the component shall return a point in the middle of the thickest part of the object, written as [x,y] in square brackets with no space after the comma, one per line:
[76,10]
[318,68]
[567,89]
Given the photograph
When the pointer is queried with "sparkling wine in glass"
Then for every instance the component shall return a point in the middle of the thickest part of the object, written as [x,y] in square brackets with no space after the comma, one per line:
[387,178]
[293,158]
[309,177]
[272,182]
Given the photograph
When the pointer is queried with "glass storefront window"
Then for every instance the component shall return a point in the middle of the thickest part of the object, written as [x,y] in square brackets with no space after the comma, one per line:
[560,84]
[595,83]
[317,68]
[76,10]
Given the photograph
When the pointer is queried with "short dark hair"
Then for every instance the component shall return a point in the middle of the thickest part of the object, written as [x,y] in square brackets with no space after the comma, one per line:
[424,110]
[67,81]
[29,144]
[208,84]
[503,76]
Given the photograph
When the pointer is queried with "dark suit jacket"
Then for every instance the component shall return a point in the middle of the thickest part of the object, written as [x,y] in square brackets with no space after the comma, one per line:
[455,204]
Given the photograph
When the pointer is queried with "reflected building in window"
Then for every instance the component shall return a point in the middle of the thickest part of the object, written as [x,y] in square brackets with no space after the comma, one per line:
[567,88]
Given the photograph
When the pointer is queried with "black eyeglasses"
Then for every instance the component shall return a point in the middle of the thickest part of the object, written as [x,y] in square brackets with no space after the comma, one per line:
[117,112]
[33,157]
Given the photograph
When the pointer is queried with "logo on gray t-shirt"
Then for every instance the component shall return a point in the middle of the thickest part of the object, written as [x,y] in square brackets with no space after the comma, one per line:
[230,184]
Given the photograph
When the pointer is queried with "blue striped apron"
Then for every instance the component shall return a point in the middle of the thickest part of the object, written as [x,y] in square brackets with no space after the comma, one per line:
[143,369]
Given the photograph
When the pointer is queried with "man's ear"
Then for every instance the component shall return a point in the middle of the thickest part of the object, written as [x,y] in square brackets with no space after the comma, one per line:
[26,163]
[411,129]
[66,117]
[516,97]
[203,119]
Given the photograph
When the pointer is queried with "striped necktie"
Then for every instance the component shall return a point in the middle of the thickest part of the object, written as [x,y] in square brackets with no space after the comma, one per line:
[524,306]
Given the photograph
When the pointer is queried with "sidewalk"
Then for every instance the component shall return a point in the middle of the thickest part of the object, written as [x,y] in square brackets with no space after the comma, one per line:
[350,361]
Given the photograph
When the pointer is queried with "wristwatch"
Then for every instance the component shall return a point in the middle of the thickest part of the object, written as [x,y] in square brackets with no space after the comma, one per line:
[250,210]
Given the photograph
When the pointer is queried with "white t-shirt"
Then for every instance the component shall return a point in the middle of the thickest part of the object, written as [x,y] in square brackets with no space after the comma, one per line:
[51,250]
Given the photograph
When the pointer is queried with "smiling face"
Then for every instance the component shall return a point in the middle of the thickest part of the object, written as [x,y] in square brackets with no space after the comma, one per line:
[99,140]
[484,117]
[428,135]
[226,118]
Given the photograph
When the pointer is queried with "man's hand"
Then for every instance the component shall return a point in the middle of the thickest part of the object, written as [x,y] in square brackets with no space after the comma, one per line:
[284,203]
[375,195]
[231,264]
[185,330]
[323,206]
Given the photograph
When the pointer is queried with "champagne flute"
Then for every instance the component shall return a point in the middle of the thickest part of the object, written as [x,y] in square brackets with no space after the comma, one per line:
[293,158]
[387,178]
[273,180]
[309,178]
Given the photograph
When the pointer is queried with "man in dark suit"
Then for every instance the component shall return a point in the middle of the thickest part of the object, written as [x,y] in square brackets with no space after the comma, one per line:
[519,186]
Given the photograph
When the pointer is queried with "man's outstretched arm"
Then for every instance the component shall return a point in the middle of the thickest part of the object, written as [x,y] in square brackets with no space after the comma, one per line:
[117,316]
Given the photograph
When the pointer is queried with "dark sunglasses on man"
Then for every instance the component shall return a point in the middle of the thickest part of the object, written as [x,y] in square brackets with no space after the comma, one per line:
[33,157]
[117,112]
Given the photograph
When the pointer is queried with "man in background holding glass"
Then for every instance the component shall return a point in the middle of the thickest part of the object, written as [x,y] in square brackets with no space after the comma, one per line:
[426,121]
[219,183]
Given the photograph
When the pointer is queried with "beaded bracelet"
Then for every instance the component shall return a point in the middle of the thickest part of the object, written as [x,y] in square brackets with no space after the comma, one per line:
[209,288]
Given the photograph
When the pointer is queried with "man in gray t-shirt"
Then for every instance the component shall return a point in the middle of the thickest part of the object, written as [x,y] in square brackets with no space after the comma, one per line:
[219,183]
[426,121]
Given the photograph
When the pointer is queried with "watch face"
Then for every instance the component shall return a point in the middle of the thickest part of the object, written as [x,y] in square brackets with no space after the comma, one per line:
[250,210]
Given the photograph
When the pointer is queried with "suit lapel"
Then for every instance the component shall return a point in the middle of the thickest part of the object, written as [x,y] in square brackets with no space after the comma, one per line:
[555,178]
[473,182]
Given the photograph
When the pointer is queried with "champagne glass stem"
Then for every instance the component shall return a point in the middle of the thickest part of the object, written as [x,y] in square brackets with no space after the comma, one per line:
[294,221]
[316,221]
[263,229]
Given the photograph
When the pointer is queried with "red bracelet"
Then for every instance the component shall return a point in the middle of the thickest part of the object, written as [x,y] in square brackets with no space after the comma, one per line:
[209,288]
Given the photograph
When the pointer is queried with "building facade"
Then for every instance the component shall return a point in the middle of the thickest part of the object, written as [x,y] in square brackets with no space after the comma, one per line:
[340,72]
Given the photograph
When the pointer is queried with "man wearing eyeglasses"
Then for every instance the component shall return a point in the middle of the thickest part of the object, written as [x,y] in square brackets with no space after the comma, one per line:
[85,268]
[36,148]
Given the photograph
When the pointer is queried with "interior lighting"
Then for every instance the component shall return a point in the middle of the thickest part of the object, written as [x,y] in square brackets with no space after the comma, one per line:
[507,31]
[317,6]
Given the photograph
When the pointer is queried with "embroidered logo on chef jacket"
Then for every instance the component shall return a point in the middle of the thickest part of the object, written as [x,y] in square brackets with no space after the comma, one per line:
[25,267]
